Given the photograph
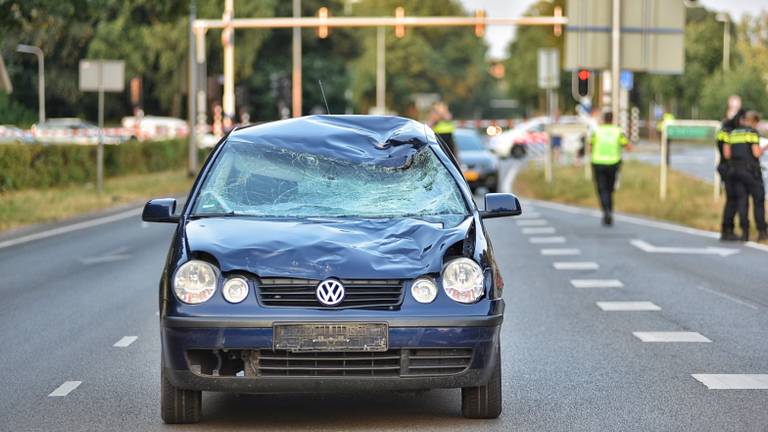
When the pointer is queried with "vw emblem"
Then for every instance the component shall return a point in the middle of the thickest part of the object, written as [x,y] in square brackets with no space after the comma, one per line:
[330,292]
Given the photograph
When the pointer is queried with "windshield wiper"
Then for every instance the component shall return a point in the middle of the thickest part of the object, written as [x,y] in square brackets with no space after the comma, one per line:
[213,214]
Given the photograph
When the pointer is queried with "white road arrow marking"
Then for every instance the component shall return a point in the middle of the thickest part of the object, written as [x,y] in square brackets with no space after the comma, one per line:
[710,250]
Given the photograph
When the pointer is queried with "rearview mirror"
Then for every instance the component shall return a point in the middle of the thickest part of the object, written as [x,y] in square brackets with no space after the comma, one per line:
[501,205]
[160,210]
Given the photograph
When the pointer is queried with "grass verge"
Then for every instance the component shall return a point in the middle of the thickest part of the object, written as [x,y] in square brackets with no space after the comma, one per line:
[31,206]
[689,201]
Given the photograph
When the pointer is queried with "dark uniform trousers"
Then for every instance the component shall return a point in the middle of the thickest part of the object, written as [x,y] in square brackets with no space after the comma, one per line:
[730,208]
[745,180]
[605,181]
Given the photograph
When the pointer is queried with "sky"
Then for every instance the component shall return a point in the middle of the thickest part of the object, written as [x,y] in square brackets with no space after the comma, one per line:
[498,37]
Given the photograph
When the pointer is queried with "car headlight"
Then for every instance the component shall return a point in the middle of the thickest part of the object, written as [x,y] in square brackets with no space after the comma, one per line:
[194,282]
[463,280]
[235,290]
[424,290]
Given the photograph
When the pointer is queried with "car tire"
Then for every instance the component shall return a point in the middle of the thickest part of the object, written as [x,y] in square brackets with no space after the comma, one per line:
[518,151]
[179,406]
[484,402]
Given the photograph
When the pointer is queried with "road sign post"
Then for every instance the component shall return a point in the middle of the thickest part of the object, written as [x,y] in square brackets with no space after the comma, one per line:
[549,80]
[101,76]
[684,129]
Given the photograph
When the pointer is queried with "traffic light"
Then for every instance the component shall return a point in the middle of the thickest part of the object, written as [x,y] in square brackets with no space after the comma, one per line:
[582,84]
[322,30]
[399,29]
[480,28]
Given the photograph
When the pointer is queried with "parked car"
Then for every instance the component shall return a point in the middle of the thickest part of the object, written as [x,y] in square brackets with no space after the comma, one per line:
[10,134]
[515,141]
[71,130]
[155,127]
[479,166]
[329,253]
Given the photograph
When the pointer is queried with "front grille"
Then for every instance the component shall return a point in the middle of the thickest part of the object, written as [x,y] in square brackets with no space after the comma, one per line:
[392,363]
[359,293]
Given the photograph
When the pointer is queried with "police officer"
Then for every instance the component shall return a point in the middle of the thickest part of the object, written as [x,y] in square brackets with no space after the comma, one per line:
[606,146]
[742,151]
[732,121]
[441,121]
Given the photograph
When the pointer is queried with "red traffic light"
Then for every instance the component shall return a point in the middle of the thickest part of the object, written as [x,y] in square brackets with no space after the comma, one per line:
[583,75]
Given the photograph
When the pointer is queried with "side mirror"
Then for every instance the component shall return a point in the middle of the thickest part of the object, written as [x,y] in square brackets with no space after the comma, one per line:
[160,210]
[501,205]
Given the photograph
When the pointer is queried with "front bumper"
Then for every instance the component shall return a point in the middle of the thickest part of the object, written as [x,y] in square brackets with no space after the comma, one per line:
[478,335]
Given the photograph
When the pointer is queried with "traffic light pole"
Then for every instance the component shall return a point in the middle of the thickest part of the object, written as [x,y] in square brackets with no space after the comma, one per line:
[615,60]
[229,24]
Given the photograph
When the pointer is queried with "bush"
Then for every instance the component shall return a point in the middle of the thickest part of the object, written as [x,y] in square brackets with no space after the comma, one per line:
[24,166]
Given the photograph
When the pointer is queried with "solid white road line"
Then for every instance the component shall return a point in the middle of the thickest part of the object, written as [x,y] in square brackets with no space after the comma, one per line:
[125,341]
[69,228]
[560,252]
[531,222]
[671,336]
[65,388]
[596,283]
[626,306]
[733,381]
[546,240]
[539,230]
[574,265]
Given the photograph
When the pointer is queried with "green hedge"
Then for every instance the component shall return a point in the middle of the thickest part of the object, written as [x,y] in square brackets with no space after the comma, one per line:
[24,166]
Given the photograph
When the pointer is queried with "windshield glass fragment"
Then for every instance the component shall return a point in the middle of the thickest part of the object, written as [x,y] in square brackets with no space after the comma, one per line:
[266,181]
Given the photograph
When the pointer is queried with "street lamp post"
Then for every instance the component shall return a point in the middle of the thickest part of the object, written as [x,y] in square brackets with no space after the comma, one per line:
[725,19]
[29,49]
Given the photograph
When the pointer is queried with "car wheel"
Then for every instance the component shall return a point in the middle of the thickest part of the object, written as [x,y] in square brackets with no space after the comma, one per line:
[518,151]
[484,402]
[179,406]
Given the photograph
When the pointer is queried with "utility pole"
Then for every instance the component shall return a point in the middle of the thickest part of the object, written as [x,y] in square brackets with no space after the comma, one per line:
[615,59]
[228,39]
[29,49]
[296,70]
[381,71]
[725,19]
[192,94]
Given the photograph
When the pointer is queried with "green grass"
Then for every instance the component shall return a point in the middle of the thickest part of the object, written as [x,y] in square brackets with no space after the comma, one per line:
[31,206]
[689,200]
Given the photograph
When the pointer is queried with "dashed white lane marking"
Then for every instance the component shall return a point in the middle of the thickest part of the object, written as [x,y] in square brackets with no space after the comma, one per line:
[596,283]
[560,252]
[538,230]
[531,222]
[729,297]
[620,306]
[671,336]
[546,240]
[70,228]
[733,381]
[575,265]
[125,341]
[65,388]
[529,215]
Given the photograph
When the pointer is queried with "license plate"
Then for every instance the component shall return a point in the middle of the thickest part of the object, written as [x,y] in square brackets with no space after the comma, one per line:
[330,337]
[471,175]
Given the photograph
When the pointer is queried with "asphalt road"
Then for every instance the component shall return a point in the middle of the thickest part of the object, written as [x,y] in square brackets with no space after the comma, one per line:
[67,299]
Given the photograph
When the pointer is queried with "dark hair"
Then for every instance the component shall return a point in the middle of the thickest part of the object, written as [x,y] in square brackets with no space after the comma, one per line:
[608,117]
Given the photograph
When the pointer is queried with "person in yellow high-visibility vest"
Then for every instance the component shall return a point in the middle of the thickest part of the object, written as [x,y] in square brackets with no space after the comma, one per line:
[606,146]
[441,122]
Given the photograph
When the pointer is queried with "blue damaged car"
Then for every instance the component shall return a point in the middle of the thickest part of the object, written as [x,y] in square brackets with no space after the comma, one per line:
[330,253]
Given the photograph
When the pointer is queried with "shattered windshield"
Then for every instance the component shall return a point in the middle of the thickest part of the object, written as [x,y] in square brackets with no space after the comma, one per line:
[267,181]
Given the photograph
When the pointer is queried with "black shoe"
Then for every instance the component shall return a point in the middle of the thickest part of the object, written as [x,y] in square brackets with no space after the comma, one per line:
[744,236]
[607,219]
[729,236]
[762,235]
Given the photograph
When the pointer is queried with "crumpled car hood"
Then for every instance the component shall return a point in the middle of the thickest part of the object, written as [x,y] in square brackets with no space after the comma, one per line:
[321,248]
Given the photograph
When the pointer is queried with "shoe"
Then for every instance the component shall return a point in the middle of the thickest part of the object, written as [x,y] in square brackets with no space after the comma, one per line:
[744,236]
[607,219]
[729,236]
[762,235]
